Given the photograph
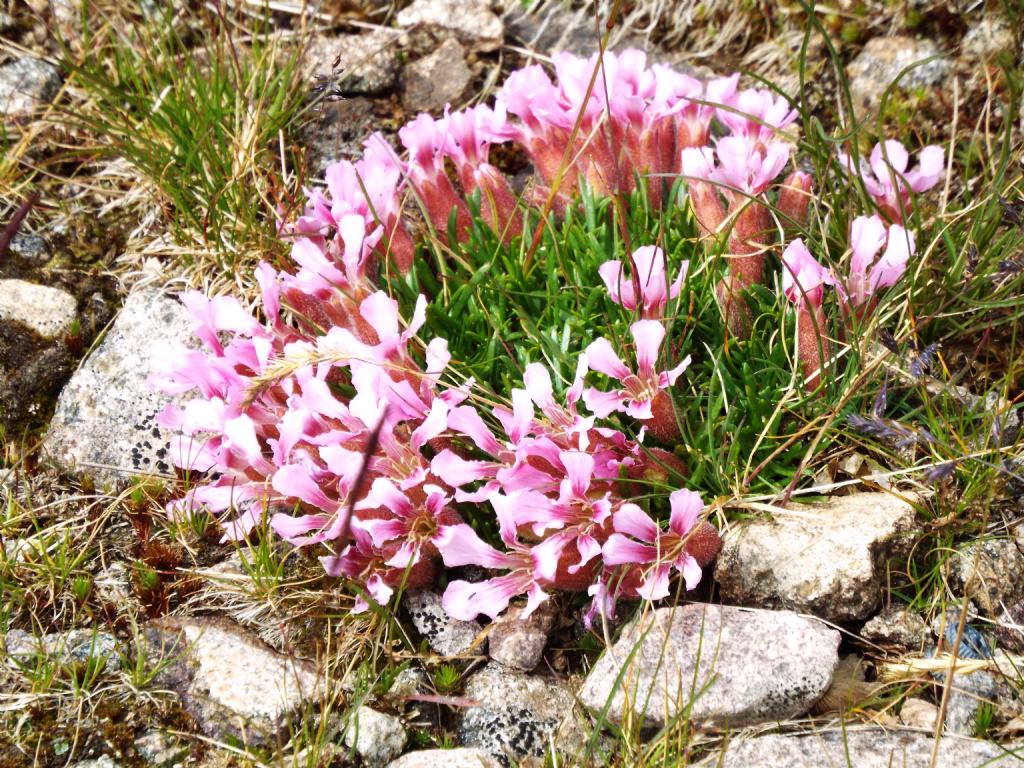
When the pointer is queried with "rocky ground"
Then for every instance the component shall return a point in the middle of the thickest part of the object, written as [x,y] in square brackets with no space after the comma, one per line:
[133,641]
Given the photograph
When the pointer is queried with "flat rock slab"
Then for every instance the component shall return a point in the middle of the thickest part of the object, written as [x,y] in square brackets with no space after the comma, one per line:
[77,646]
[27,84]
[826,559]
[437,79]
[863,748]
[723,667]
[519,715]
[446,636]
[233,684]
[48,311]
[471,22]
[910,62]
[104,421]
[445,758]
[366,63]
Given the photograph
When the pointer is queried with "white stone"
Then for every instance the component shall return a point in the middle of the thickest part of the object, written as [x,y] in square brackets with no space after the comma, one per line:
[104,420]
[447,636]
[26,84]
[826,559]
[50,312]
[365,63]
[446,758]
[229,680]
[377,737]
[867,747]
[725,667]
[517,716]
[472,22]
[884,59]
[918,713]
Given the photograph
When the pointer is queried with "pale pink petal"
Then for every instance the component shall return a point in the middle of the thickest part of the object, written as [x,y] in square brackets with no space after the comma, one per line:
[686,508]
[931,166]
[602,359]
[655,585]
[579,469]
[601,404]
[465,601]
[467,420]
[691,571]
[456,471]
[537,382]
[534,597]
[293,481]
[620,287]
[383,531]
[648,335]
[890,153]
[459,545]
[632,520]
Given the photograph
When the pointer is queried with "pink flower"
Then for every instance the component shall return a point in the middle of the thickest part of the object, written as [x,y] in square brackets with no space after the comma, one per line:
[803,278]
[638,389]
[887,179]
[649,545]
[747,166]
[867,236]
[649,273]
[460,545]
[757,114]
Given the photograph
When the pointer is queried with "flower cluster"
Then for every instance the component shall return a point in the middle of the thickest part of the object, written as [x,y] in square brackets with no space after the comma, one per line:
[330,418]
[879,252]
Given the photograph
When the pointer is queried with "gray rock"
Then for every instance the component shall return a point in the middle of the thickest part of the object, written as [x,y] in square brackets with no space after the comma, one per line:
[1009,628]
[883,60]
[968,694]
[918,713]
[827,559]
[377,738]
[233,684]
[30,247]
[446,758]
[103,761]
[50,312]
[897,627]
[868,747]
[366,63]
[447,636]
[988,38]
[104,421]
[518,715]
[518,642]
[411,681]
[76,646]
[27,84]
[471,22]
[991,572]
[161,749]
[440,78]
[337,132]
[725,667]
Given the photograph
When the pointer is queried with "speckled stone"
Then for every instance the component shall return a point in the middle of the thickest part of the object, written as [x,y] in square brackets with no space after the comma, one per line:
[992,573]
[233,684]
[366,63]
[517,642]
[518,714]
[437,79]
[26,84]
[988,37]
[74,646]
[48,311]
[445,758]
[868,747]
[471,22]
[378,738]
[968,694]
[918,713]
[104,423]
[897,627]
[884,59]
[748,667]
[825,559]
[160,749]
[447,636]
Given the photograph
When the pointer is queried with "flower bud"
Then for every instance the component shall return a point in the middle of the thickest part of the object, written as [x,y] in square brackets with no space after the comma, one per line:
[794,199]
